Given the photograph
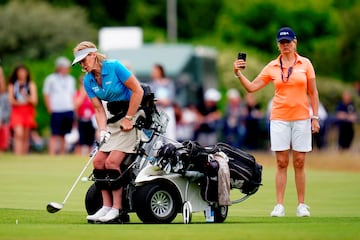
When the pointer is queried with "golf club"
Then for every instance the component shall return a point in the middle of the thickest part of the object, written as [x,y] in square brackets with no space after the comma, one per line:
[54,207]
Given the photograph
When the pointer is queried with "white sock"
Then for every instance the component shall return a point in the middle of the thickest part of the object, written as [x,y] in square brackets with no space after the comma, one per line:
[106,208]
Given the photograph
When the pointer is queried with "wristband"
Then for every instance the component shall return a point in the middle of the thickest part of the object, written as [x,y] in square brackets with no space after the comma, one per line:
[315,117]
[130,118]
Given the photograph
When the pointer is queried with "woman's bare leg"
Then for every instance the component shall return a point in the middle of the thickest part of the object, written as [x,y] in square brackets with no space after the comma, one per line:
[113,162]
[282,158]
[300,176]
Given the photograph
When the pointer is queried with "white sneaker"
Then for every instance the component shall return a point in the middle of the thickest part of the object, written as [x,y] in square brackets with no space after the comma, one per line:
[100,213]
[302,210]
[111,215]
[279,211]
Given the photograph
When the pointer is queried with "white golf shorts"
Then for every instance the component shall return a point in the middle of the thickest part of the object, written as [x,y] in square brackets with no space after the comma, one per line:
[291,134]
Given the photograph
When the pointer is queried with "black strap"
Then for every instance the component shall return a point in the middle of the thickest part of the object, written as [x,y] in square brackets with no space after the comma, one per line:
[118,109]
[116,118]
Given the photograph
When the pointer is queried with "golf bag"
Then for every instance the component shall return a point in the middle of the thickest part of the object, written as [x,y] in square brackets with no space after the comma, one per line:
[245,172]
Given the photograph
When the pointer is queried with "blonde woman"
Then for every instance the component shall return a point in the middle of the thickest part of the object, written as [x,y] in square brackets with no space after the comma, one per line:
[290,123]
[110,81]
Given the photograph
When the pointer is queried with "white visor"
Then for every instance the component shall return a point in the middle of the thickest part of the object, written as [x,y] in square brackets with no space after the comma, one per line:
[80,55]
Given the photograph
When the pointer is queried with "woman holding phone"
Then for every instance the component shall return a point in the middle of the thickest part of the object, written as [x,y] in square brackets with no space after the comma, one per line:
[290,123]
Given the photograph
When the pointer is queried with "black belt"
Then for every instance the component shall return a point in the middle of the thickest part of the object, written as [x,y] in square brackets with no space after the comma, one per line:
[118,109]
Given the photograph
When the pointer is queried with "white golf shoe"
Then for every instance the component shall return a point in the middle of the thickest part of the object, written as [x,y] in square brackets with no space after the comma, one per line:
[100,213]
[111,215]
[302,210]
[279,211]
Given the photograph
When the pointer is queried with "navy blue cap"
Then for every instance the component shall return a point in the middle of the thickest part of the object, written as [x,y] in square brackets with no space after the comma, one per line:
[285,33]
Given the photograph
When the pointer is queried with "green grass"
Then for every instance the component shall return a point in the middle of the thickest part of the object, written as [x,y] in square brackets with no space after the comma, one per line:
[28,183]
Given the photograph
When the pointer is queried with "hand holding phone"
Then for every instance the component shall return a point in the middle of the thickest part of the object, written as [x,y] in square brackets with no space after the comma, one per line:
[242,55]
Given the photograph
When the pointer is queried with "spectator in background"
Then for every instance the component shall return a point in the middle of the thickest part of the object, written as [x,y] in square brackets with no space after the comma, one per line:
[234,128]
[5,110]
[37,143]
[253,126]
[85,114]
[59,90]
[208,118]
[186,119]
[345,119]
[320,137]
[164,90]
[23,99]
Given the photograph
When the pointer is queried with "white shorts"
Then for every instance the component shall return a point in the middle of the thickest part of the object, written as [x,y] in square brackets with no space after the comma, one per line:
[291,134]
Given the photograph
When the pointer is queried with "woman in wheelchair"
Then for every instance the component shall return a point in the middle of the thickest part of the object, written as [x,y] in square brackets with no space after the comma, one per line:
[110,81]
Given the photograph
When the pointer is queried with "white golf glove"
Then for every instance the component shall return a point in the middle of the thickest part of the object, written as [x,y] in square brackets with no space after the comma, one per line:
[104,136]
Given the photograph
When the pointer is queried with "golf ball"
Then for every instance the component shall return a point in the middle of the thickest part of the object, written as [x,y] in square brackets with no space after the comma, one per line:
[84,179]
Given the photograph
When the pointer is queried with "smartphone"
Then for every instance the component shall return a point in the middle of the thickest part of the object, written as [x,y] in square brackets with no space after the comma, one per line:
[242,55]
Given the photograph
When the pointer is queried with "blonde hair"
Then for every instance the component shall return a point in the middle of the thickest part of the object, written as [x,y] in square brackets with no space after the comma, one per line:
[87,44]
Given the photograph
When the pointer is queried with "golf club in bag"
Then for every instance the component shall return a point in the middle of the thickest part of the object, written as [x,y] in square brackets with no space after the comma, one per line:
[54,207]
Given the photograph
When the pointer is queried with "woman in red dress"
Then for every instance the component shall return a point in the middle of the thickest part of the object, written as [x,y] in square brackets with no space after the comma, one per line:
[23,99]
[4,114]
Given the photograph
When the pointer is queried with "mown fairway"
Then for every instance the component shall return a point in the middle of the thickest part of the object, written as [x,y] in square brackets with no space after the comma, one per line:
[28,183]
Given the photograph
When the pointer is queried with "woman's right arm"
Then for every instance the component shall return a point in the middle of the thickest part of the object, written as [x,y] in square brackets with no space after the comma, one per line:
[100,114]
[250,86]
[11,96]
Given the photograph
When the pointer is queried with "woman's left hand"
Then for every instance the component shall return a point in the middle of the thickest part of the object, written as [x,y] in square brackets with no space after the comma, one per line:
[126,124]
[315,126]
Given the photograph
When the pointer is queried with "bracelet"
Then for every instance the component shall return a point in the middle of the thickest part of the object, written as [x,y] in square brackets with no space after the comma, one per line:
[130,118]
[315,117]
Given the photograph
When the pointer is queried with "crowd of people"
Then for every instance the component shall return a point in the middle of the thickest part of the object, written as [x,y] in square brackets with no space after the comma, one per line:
[242,122]
[68,108]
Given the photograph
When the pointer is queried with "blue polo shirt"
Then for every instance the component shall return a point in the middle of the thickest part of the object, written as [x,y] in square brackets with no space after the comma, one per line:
[114,75]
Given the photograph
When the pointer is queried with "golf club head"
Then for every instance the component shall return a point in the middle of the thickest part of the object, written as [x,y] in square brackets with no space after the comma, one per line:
[54,207]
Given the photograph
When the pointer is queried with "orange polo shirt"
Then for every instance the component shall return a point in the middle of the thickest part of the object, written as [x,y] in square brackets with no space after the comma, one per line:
[290,101]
